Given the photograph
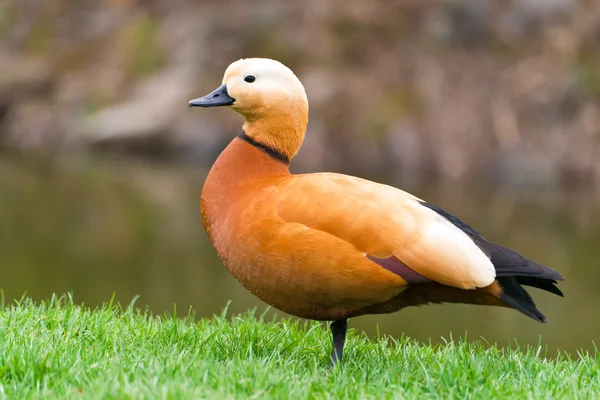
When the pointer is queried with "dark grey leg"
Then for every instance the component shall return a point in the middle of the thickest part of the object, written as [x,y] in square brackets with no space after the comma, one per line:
[338,331]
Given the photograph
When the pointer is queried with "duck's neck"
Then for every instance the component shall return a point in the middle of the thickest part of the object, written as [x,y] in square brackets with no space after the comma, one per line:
[244,161]
[261,153]
[283,133]
[273,152]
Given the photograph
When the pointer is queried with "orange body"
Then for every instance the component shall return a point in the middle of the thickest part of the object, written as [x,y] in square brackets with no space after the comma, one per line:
[305,272]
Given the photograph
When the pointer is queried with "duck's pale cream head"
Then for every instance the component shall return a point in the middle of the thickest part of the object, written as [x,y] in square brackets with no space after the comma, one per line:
[269,96]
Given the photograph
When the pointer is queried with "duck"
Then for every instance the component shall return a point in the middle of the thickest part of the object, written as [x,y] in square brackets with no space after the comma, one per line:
[328,247]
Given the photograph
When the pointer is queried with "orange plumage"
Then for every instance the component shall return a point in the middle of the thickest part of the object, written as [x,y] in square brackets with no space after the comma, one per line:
[329,246]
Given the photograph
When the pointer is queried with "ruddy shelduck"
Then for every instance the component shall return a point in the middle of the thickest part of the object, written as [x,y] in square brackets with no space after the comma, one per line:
[327,246]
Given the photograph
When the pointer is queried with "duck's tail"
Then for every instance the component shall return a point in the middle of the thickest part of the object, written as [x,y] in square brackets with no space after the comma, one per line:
[513,270]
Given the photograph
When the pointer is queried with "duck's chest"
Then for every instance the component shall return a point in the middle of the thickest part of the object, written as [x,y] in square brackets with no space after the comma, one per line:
[237,220]
[239,176]
[221,219]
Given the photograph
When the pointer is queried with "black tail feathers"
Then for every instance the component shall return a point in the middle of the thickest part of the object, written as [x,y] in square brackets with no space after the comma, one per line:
[515,296]
[514,270]
[548,285]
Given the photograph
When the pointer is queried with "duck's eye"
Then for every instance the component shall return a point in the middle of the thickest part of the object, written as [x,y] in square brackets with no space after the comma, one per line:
[250,78]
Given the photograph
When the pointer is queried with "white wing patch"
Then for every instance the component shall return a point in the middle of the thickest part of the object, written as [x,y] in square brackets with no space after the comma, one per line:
[465,263]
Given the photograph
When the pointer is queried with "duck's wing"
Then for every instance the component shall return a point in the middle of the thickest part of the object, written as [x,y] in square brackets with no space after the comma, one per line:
[392,228]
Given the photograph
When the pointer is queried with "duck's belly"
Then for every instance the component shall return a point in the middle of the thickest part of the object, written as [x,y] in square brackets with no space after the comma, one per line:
[307,273]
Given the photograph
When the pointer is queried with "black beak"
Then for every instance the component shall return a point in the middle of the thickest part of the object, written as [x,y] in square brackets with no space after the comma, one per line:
[218,97]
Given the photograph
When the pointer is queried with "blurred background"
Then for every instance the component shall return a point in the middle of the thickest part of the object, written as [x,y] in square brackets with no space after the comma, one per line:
[490,109]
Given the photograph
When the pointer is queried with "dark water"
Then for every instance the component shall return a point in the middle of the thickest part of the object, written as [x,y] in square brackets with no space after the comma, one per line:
[97,228]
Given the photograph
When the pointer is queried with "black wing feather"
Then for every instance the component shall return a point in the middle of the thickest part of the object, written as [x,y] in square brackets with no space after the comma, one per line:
[506,261]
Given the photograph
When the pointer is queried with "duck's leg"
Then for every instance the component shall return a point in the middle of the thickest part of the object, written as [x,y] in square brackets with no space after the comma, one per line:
[338,332]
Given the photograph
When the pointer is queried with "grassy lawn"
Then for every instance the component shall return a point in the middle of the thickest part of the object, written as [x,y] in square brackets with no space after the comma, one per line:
[60,350]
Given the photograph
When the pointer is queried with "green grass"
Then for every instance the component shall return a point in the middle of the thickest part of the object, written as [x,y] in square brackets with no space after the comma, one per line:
[60,350]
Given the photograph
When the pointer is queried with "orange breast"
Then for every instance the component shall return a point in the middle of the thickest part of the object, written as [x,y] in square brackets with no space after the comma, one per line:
[302,271]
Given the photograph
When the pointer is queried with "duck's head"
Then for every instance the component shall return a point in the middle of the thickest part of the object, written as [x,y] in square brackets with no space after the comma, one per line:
[269,96]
